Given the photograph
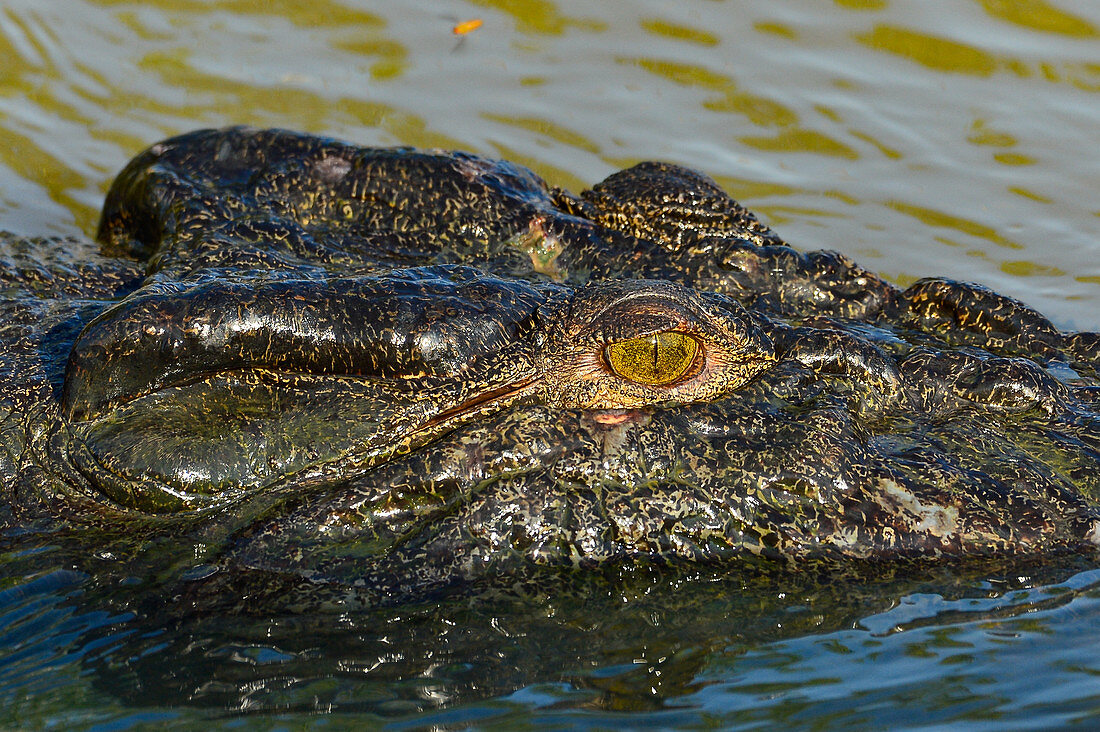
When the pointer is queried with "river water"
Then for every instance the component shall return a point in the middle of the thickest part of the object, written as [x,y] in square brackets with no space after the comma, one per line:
[941,137]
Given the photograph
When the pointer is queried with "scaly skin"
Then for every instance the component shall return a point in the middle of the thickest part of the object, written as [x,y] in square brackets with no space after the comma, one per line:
[388,371]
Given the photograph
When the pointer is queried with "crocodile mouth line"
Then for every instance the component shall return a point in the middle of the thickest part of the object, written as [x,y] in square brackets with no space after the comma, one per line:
[506,395]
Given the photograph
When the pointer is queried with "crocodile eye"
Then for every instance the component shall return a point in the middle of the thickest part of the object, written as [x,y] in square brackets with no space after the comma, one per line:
[655,360]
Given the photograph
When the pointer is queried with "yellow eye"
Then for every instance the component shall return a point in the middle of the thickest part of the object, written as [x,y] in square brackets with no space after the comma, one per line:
[656,360]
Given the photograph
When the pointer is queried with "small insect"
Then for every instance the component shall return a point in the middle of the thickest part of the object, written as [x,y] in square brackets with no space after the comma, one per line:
[466,26]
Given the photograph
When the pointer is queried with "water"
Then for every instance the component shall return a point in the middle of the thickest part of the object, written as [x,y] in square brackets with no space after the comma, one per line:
[935,138]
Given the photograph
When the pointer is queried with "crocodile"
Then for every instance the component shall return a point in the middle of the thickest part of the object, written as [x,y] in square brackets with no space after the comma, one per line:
[387,371]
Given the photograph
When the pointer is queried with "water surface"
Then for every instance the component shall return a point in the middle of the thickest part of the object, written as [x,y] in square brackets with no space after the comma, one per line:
[935,138]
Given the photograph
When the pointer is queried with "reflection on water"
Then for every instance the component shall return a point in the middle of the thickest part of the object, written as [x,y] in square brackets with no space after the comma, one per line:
[930,646]
[916,144]
[937,54]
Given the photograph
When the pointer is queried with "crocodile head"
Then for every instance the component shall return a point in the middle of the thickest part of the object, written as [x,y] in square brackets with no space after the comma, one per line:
[391,370]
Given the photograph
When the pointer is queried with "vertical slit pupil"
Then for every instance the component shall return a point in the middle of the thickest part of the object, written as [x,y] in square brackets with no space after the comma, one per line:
[658,359]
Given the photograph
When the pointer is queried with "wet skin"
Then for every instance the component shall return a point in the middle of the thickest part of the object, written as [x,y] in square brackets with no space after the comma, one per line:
[390,370]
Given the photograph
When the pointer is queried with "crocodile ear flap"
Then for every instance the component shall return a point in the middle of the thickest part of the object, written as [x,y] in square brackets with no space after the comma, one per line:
[672,206]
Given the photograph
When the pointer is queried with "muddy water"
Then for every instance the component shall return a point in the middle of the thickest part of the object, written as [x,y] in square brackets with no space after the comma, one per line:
[945,137]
